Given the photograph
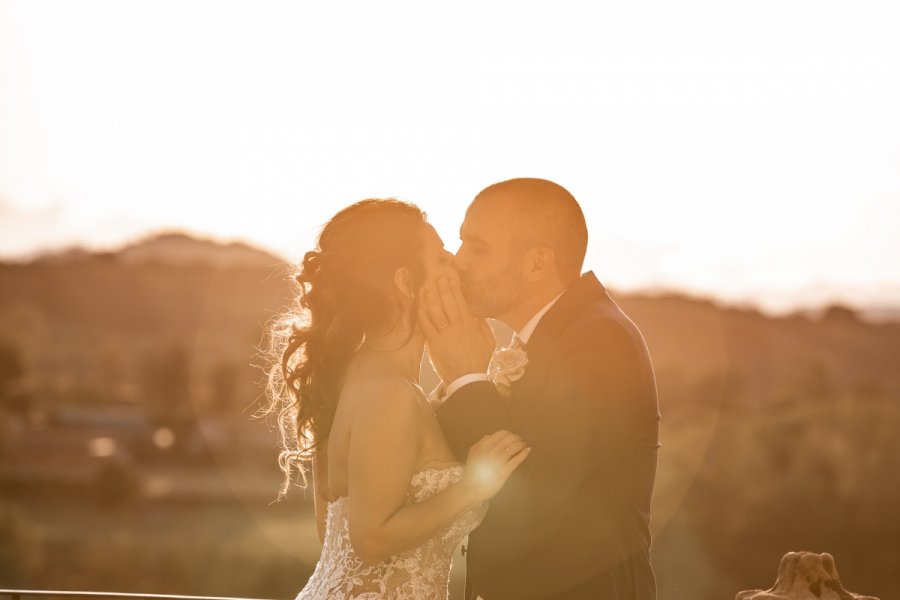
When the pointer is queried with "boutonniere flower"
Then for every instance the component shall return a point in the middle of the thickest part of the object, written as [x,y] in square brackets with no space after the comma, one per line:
[507,365]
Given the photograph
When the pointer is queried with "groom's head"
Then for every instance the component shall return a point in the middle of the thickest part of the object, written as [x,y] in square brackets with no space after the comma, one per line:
[522,239]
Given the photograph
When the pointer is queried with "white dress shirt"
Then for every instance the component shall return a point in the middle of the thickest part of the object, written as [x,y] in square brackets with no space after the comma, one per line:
[523,336]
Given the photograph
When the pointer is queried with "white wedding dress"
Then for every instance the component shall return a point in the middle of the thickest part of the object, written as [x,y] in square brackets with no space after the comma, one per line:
[422,573]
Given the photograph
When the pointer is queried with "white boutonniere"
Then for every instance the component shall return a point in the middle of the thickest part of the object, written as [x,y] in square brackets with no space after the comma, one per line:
[507,365]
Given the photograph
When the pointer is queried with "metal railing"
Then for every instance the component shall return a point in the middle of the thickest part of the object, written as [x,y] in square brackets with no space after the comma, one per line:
[49,594]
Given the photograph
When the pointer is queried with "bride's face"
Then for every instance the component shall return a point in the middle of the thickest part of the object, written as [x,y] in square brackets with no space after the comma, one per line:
[436,260]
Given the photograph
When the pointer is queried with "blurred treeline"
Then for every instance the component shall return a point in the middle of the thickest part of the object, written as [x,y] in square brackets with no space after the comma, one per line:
[129,460]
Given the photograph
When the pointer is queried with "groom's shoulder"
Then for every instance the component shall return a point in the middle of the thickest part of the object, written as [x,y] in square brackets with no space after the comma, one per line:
[602,321]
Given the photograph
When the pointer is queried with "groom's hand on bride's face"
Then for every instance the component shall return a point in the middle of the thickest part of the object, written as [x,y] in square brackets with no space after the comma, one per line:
[458,343]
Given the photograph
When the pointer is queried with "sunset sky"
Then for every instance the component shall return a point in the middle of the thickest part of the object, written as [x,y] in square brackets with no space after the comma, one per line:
[747,151]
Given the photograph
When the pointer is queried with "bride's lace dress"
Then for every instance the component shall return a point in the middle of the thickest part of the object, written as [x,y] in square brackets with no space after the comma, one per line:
[422,573]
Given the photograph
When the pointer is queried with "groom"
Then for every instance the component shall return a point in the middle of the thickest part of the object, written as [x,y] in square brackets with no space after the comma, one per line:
[573,521]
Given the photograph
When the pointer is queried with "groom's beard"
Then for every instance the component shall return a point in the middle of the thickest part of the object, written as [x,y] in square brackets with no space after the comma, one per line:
[493,297]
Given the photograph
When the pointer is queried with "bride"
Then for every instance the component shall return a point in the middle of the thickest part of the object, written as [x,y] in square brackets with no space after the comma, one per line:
[391,502]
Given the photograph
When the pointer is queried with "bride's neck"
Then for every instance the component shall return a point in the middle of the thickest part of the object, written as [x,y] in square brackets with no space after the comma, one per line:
[397,351]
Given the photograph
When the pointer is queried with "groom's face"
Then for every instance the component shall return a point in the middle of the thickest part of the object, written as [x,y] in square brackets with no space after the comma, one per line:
[490,273]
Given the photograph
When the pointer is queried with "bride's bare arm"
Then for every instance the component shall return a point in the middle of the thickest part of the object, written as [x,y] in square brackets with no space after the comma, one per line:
[384,447]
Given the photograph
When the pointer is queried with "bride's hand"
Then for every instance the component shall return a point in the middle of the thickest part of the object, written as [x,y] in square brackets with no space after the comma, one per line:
[490,462]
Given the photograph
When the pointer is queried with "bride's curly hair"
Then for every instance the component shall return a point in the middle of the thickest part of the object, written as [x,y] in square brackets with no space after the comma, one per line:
[345,292]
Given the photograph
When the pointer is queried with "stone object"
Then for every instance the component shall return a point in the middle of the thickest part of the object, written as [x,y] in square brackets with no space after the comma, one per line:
[805,576]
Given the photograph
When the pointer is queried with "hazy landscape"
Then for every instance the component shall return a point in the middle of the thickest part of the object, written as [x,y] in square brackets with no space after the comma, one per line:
[130,461]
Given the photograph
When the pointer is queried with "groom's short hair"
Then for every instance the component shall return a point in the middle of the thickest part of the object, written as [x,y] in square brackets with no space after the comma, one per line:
[543,213]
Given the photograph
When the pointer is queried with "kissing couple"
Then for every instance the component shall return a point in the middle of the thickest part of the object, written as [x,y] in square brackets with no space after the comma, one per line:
[544,452]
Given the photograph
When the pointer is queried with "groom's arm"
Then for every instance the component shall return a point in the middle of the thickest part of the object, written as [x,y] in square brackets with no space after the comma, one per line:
[460,347]
[474,410]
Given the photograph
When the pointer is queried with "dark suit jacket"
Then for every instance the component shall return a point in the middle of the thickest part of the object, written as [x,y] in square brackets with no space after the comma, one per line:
[576,514]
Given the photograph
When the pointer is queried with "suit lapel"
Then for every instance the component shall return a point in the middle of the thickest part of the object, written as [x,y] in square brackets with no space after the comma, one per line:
[527,390]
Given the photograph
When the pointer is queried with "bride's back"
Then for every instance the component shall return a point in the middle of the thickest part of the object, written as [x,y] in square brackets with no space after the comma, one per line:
[372,396]
[365,383]
[421,571]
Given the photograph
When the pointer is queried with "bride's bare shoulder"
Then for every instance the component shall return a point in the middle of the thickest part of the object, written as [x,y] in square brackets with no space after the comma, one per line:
[381,397]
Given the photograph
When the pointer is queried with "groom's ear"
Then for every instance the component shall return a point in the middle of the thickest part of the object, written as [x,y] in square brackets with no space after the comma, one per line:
[539,263]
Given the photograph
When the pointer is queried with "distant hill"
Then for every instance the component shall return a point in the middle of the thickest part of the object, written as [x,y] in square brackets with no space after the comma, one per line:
[882,314]
[88,324]
[182,249]
[762,357]
[174,248]
[72,313]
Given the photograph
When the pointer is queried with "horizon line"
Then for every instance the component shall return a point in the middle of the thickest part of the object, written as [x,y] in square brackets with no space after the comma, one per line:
[809,308]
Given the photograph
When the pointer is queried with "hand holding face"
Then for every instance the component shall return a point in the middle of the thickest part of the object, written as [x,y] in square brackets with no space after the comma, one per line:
[458,343]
